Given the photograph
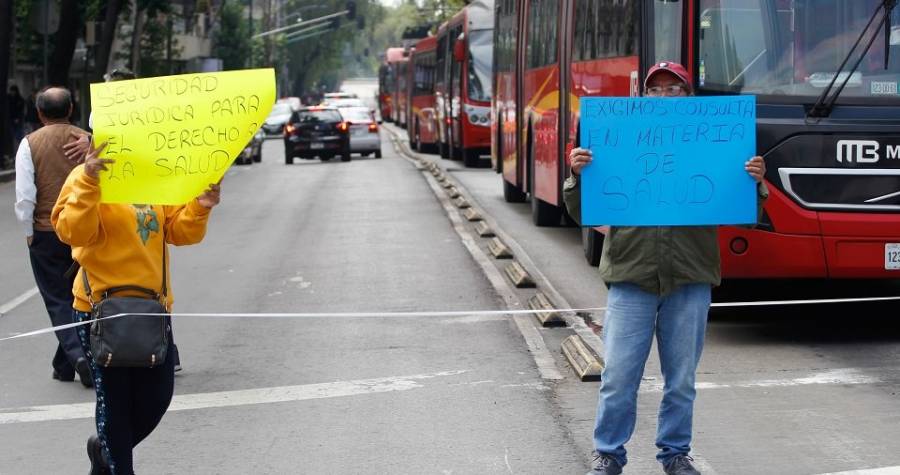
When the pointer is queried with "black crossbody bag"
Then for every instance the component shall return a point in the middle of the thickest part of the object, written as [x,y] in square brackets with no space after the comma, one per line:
[132,341]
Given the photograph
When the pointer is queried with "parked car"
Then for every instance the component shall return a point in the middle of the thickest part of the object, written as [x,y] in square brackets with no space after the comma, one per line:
[294,102]
[274,124]
[253,151]
[364,136]
[316,132]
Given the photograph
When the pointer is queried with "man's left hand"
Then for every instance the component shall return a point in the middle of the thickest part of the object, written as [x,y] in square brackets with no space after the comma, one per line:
[29,240]
[756,168]
[210,197]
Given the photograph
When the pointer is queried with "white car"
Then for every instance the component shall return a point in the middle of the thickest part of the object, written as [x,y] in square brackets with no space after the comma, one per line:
[364,136]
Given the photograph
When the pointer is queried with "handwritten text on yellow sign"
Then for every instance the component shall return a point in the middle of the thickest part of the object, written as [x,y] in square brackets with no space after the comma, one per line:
[172,136]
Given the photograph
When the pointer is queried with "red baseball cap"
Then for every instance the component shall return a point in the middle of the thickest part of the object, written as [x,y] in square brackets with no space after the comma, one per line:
[672,68]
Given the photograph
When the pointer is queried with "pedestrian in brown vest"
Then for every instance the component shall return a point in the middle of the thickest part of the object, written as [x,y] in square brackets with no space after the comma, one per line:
[41,169]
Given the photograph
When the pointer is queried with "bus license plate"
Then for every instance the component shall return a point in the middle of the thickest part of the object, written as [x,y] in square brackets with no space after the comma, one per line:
[317,145]
[892,256]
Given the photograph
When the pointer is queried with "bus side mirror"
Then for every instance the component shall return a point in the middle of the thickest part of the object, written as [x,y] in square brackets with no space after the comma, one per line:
[459,50]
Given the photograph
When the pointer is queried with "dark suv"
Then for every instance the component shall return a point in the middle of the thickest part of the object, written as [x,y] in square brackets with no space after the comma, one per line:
[316,132]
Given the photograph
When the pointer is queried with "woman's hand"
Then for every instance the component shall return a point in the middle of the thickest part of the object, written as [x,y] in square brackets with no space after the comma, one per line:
[579,158]
[210,197]
[93,164]
[756,168]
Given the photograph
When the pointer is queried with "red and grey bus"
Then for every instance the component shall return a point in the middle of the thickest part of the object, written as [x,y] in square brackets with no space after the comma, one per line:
[387,82]
[422,128]
[463,86]
[828,121]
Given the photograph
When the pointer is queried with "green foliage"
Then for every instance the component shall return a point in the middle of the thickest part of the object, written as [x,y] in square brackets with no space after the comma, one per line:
[231,41]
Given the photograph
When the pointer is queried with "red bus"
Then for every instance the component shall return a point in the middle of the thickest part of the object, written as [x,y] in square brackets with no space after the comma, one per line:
[422,129]
[463,86]
[387,82]
[832,153]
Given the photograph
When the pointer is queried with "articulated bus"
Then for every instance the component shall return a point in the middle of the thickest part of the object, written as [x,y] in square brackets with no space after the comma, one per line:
[422,129]
[833,165]
[463,86]
[387,83]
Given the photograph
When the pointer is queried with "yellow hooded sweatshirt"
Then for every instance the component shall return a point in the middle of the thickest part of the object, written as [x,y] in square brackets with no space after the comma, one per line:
[120,244]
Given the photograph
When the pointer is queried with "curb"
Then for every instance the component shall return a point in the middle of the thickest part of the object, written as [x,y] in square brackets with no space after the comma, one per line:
[7,175]
[584,336]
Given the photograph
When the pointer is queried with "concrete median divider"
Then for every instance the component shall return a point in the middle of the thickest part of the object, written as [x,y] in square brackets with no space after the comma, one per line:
[512,277]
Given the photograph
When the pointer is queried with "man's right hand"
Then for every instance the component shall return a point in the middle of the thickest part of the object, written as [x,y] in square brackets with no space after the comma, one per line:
[93,164]
[579,158]
[77,149]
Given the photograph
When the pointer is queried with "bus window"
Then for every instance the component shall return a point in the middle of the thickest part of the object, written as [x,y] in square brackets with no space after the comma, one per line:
[543,22]
[480,60]
[667,31]
[793,49]
[605,29]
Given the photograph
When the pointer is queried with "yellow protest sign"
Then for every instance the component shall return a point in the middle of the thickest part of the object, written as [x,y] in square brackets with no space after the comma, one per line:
[172,136]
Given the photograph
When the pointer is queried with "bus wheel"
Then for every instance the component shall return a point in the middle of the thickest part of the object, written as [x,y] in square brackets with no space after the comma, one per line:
[592,241]
[471,158]
[513,194]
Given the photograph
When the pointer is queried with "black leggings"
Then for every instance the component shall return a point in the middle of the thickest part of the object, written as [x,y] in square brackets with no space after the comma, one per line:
[130,403]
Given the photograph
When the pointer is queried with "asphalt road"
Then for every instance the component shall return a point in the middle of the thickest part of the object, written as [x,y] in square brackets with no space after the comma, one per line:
[783,390]
[365,395]
[809,390]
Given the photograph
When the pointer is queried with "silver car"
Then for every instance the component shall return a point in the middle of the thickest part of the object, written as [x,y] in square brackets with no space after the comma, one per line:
[364,135]
[274,124]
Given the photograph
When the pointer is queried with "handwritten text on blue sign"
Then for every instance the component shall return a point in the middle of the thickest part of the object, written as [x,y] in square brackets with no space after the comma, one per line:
[668,161]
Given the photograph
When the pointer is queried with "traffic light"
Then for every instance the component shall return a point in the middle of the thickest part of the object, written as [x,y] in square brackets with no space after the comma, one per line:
[351,9]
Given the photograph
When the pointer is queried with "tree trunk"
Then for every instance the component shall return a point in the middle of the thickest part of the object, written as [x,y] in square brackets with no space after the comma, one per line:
[6,24]
[113,8]
[69,27]
[139,18]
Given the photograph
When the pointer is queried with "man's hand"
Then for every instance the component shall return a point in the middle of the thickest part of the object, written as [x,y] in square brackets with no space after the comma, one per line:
[756,168]
[579,158]
[93,164]
[77,149]
[210,197]
[29,239]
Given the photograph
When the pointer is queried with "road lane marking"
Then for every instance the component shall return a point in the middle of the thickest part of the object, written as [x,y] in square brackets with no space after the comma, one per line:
[847,376]
[9,306]
[869,471]
[244,397]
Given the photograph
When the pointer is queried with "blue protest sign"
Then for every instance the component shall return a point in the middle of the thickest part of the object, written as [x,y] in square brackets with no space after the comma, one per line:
[668,161]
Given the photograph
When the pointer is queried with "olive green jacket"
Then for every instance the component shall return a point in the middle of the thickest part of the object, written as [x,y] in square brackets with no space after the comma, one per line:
[657,258]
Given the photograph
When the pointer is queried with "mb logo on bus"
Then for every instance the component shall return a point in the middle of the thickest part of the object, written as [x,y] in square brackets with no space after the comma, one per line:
[864,151]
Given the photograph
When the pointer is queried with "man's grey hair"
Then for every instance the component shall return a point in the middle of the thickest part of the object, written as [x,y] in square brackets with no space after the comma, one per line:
[54,103]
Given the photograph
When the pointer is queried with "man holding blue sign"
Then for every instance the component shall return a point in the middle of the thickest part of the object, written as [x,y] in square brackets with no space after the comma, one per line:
[660,257]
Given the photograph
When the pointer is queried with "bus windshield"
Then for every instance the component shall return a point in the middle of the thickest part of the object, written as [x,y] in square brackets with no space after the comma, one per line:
[481,59]
[793,48]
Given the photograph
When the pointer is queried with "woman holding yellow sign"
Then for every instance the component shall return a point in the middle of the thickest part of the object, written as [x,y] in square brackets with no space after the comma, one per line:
[117,256]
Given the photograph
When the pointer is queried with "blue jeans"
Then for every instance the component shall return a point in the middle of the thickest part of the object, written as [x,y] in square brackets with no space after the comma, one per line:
[632,318]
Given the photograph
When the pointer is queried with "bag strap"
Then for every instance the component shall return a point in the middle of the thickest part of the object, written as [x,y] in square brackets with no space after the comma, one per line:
[133,288]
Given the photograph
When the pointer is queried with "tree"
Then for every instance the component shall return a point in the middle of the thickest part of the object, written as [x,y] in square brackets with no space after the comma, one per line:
[232,41]
[110,22]
[64,42]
